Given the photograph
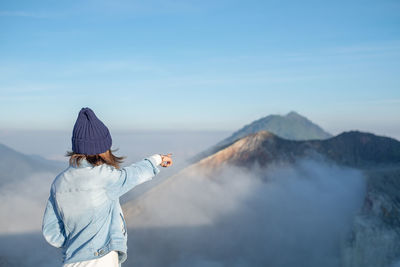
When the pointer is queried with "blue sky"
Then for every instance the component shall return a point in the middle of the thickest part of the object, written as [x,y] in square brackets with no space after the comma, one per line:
[200,65]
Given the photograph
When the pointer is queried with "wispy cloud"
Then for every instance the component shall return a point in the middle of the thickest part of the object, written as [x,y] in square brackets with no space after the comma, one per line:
[384,101]
[32,92]
[132,66]
[367,47]
[107,7]
[364,50]
[151,7]
[26,14]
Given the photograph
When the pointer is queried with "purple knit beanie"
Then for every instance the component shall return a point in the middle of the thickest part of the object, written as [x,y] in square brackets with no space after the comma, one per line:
[90,136]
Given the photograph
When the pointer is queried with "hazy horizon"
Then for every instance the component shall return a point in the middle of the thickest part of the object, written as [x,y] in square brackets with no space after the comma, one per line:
[133,144]
[52,144]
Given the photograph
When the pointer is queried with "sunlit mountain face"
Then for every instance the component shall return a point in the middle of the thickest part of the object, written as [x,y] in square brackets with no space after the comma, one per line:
[354,148]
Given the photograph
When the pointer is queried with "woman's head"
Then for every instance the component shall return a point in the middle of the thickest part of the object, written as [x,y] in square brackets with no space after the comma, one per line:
[91,140]
[90,136]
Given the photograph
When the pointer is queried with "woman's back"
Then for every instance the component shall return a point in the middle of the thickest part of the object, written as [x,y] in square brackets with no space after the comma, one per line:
[84,216]
[86,210]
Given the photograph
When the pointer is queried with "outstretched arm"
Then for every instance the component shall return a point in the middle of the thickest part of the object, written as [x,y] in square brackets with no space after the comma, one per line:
[123,180]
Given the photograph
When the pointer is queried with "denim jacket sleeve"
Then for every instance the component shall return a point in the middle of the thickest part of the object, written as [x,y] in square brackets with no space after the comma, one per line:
[52,225]
[128,177]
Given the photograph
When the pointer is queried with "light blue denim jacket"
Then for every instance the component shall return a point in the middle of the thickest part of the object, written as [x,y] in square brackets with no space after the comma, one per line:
[83,215]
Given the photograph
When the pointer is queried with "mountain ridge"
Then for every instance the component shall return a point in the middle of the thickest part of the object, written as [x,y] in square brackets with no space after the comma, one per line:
[27,165]
[351,148]
[292,126]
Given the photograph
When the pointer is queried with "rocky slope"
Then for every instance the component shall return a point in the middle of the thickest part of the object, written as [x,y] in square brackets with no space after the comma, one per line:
[353,148]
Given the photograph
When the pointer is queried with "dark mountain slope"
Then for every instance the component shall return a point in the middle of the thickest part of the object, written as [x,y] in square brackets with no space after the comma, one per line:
[15,165]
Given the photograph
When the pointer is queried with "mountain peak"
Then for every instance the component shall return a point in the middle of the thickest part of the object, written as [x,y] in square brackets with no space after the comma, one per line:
[291,126]
[294,114]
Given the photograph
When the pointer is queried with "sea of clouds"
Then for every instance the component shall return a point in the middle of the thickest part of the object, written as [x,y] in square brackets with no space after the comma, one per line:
[285,215]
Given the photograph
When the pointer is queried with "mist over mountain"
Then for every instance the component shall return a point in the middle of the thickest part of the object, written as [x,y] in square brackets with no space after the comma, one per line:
[24,187]
[291,126]
[18,166]
[280,216]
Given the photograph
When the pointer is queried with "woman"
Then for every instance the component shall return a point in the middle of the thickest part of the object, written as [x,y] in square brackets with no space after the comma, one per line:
[83,215]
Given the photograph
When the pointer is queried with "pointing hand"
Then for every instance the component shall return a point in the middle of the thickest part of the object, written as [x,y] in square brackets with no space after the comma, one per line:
[166,160]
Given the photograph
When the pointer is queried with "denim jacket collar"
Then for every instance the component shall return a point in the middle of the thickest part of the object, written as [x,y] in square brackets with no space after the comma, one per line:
[82,164]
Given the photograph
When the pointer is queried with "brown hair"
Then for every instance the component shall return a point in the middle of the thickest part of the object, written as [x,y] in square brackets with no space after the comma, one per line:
[107,157]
